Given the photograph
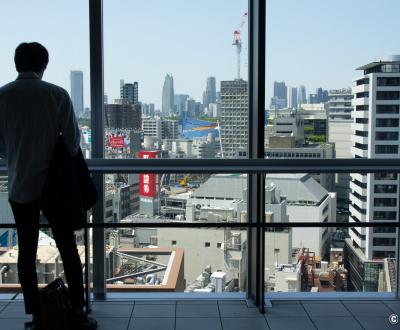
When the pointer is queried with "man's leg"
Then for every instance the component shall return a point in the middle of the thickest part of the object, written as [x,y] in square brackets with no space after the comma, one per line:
[66,244]
[26,217]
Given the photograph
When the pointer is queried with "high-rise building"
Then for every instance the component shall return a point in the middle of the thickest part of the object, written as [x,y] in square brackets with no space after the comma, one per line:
[77,91]
[279,100]
[374,197]
[179,103]
[292,97]
[130,92]
[124,115]
[322,95]
[168,96]
[210,94]
[301,95]
[170,129]
[339,126]
[234,117]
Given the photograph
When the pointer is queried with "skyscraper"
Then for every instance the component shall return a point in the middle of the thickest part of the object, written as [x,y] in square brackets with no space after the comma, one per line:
[301,95]
[210,94]
[292,97]
[130,92]
[234,117]
[168,96]
[279,100]
[374,196]
[76,78]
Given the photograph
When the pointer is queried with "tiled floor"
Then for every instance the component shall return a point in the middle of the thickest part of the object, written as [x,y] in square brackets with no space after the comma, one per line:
[227,315]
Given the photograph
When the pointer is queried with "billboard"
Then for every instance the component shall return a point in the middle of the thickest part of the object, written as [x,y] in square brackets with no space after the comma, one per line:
[192,127]
[117,143]
[149,183]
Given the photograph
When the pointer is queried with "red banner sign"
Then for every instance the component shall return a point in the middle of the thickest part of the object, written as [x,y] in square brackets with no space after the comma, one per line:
[149,182]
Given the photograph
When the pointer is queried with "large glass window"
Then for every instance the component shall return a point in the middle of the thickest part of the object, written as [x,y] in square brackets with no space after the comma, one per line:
[165,86]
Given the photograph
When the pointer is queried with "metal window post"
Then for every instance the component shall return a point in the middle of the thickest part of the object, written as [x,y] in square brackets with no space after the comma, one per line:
[97,121]
[256,182]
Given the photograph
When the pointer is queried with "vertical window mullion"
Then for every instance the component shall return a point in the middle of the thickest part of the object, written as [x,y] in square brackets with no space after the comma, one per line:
[97,126]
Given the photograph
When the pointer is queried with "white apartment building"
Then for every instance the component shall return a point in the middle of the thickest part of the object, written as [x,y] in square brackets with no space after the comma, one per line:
[374,197]
[152,126]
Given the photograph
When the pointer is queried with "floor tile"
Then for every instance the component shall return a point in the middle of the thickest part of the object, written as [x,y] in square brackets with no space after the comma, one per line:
[239,311]
[197,302]
[13,310]
[155,302]
[324,301]
[197,311]
[374,323]
[285,302]
[244,323]
[326,310]
[13,324]
[154,311]
[112,310]
[114,323]
[198,323]
[286,310]
[370,310]
[335,323]
[395,307]
[232,302]
[296,322]
[153,323]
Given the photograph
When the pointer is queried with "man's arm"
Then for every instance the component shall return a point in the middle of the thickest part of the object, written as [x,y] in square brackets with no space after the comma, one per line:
[69,126]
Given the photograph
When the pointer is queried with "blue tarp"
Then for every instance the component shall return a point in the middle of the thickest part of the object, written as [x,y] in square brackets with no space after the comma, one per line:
[192,127]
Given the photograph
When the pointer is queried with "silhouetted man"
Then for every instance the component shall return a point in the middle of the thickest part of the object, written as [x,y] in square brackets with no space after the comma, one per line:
[33,114]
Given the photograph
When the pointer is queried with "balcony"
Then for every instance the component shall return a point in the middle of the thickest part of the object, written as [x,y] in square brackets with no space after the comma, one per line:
[360,88]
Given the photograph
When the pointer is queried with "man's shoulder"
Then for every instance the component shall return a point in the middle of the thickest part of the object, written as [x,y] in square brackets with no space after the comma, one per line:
[54,88]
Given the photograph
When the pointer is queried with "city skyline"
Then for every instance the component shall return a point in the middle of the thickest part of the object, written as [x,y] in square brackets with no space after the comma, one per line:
[196,52]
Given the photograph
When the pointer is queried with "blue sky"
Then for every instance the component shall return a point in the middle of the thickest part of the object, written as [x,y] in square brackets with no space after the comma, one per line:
[310,42]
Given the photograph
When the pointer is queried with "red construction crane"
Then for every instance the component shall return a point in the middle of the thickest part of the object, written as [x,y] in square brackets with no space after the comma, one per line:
[237,41]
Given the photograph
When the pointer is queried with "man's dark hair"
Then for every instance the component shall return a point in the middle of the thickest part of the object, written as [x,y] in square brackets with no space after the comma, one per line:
[31,56]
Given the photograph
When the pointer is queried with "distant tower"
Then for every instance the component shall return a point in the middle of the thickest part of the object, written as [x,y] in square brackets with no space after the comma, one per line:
[301,95]
[210,95]
[168,96]
[292,97]
[77,91]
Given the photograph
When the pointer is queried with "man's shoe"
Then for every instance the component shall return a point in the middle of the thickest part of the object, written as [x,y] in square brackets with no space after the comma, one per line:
[32,325]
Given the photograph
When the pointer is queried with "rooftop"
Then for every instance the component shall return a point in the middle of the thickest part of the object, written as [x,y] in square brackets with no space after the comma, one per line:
[393,59]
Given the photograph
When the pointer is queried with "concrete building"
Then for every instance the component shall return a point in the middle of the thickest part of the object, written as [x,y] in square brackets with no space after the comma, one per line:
[234,116]
[168,96]
[123,116]
[152,126]
[76,78]
[307,201]
[375,197]
[130,92]
[339,124]
[170,128]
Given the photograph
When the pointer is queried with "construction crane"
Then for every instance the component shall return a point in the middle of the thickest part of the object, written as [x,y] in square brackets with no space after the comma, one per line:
[237,41]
